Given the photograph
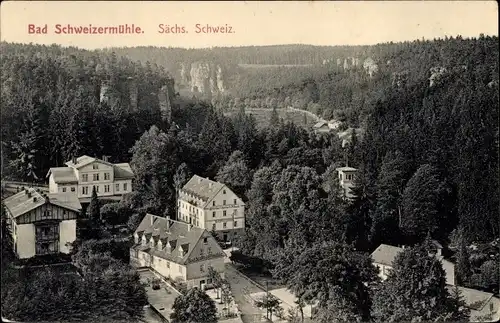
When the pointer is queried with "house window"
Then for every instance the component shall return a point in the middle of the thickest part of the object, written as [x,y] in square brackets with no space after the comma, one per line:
[85,177]
[95,177]
[213,203]
[117,187]
[224,225]
[235,223]
[168,264]
[224,213]
[205,240]
[73,189]
[234,201]
[202,267]
[224,192]
[213,214]
[213,226]
[95,166]
[106,176]
[224,202]
[124,186]
[209,250]
[64,189]
[85,190]
[106,188]
[96,188]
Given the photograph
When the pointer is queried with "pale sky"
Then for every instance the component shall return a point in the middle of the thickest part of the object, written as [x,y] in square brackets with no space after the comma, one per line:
[253,23]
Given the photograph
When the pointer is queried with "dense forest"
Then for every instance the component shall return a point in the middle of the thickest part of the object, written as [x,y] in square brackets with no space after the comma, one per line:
[427,163]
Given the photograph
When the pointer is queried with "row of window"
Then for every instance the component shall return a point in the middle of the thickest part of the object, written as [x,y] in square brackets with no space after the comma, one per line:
[224,213]
[95,177]
[107,188]
[224,202]
[347,177]
[203,267]
[224,225]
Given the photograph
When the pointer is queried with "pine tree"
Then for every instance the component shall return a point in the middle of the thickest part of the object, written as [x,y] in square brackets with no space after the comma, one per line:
[94,207]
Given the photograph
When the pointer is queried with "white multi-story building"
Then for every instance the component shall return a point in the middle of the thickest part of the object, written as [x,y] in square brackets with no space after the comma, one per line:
[212,206]
[82,174]
[346,180]
[176,250]
[41,224]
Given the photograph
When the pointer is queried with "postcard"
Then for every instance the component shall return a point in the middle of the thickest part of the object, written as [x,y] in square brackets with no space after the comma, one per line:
[231,161]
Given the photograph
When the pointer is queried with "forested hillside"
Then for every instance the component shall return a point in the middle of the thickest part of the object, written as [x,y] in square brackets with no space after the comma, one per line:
[331,81]
[60,102]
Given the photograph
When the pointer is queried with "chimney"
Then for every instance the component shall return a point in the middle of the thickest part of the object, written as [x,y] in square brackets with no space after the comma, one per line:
[152,219]
[210,185]
[105,158]
[47,199]
[168,223]
[74,160]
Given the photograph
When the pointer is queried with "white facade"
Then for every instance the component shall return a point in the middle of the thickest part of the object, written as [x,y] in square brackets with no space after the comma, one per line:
[41,224]
[346,180]
[85,173]
[176,250]
[219,210]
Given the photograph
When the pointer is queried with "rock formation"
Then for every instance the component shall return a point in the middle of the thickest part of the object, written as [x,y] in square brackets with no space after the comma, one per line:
[370,66]
[437,75]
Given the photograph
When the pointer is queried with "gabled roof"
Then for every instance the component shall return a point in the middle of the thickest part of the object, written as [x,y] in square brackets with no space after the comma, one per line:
[385,254]
[31,199]
[202,188]
[63,175]
[85,160]
[180,235]
[474,299]
[123,171]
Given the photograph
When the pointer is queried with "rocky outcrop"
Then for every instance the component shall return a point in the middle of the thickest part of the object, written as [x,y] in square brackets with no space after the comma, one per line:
[437,75]
[202,77]
[104,95]
[165,96]
[370,66]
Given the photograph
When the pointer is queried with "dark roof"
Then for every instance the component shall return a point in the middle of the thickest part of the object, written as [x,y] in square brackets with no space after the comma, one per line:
[63,175]
[30,199]
[178,235]
[385,254]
